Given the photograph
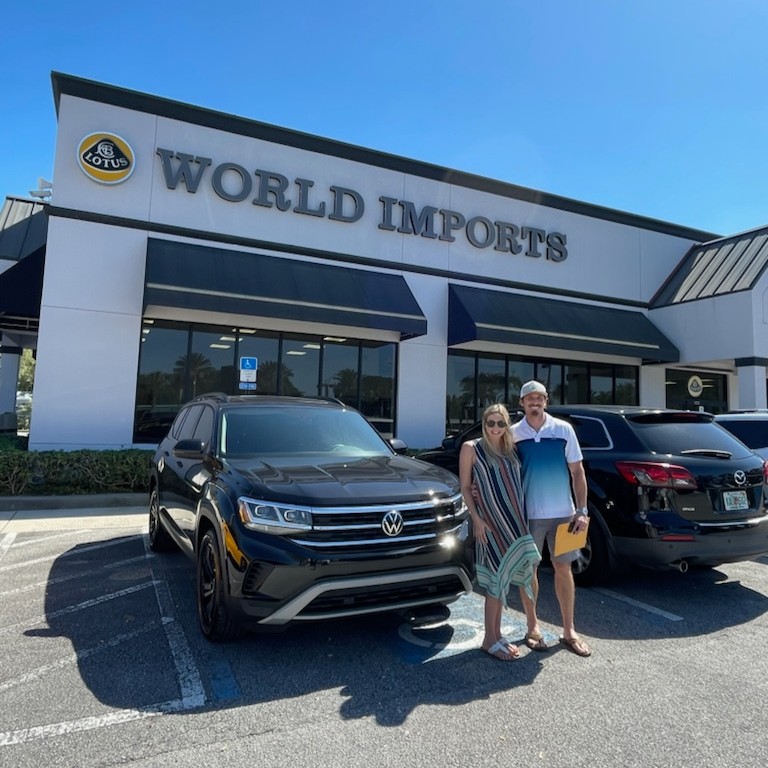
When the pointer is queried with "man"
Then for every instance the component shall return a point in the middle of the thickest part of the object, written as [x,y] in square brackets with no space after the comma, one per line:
[553,476]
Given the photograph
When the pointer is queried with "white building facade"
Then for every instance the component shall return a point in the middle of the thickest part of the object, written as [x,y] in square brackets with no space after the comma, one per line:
[188,251]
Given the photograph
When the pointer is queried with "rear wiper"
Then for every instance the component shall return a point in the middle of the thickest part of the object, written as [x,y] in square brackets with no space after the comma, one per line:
[718,454]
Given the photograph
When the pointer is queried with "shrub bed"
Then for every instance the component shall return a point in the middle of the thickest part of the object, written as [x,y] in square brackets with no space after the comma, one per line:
[71,472]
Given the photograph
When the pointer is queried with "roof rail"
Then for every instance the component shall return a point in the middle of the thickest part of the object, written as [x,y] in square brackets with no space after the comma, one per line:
[221,396]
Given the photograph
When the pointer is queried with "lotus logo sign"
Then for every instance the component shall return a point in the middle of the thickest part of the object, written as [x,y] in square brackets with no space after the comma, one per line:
[105,157]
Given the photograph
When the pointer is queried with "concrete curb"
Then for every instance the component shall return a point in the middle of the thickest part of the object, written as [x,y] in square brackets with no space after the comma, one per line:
[81,501]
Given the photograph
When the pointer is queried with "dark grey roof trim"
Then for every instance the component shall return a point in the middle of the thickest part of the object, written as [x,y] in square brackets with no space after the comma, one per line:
[725,266]
[23,227]
[743,362]
[155,105]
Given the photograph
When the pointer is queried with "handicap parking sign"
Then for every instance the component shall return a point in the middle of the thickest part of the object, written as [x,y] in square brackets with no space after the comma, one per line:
[248,368]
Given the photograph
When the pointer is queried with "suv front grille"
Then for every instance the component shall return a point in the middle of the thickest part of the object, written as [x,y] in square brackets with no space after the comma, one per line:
[359,529]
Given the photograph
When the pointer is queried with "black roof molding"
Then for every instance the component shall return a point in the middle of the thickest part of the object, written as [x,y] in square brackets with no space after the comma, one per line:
[92,90]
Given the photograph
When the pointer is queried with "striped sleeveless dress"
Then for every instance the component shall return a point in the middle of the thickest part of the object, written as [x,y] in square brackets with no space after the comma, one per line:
[509,555]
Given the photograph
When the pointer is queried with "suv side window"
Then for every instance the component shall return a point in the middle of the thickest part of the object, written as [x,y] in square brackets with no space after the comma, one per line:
[204,428]
[591,432]
[189,424]
[175,430]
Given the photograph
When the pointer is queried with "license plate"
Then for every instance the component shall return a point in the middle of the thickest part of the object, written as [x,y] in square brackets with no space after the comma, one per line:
[734,500]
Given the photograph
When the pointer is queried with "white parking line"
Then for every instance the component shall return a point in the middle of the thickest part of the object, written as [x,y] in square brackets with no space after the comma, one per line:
[113,642]
[25,735]
[5,543]
[190,683]
[637,604]
[76,551]
[189,680]
[46,619]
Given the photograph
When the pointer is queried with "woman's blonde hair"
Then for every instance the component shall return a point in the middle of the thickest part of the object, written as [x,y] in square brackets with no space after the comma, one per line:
[507,442]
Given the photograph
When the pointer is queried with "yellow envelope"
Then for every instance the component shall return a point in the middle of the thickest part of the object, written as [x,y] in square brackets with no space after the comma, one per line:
[565,541]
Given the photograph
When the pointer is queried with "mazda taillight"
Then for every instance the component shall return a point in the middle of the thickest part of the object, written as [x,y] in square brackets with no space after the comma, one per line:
[657,475]
[765,472]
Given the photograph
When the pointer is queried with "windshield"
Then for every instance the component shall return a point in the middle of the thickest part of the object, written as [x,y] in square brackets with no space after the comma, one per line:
[276,430]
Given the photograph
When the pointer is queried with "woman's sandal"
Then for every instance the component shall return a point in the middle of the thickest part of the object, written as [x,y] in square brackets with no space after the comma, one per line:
[535,641]
[505,648]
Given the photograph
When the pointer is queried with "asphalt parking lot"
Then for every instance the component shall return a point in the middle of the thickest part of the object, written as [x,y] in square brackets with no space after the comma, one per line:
[102,664]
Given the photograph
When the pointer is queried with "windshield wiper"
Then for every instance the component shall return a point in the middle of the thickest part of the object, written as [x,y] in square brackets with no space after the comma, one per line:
[717,453]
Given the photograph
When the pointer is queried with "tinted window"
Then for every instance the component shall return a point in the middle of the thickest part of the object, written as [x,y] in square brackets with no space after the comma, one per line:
[677,436]
[204,427]
[187,430]
[753,433]
[590,432]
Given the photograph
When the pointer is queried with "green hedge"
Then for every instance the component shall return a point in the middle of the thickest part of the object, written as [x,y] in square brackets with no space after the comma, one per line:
[69,472]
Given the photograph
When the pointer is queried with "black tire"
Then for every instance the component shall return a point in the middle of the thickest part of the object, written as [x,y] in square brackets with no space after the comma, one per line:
[593,565]
[159,539]
[216,621]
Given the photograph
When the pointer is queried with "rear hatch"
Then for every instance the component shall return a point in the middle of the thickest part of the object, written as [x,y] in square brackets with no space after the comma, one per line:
[715,478]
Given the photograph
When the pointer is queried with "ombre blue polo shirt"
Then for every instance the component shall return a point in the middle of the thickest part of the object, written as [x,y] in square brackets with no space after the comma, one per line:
[544,457]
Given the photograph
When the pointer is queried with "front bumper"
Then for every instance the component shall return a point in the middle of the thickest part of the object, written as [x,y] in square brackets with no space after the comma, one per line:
[273,587]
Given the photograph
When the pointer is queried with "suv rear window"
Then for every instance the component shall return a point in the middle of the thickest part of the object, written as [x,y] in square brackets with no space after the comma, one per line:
[682,434]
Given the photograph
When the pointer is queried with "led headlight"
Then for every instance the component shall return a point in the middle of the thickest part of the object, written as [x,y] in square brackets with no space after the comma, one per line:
[277,519]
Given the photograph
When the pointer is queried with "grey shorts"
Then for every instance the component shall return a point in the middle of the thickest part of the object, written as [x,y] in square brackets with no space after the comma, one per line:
[544,528]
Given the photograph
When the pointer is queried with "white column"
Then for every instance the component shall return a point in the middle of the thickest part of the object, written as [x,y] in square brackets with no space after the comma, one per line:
[751,391]
[653,389]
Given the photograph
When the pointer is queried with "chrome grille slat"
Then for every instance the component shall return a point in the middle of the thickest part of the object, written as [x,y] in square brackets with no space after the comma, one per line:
[358,529]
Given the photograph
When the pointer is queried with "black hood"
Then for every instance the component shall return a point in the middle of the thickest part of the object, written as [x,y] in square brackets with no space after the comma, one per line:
[343,481]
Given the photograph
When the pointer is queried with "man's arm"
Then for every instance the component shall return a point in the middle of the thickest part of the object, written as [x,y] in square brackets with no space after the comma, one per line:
[579,484]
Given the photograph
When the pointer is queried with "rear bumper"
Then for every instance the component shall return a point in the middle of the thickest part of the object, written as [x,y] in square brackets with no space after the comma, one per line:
[711,547]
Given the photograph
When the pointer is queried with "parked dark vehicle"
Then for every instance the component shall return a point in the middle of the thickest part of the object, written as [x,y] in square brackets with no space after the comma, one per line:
[298,510]
[667,489]
[751,427]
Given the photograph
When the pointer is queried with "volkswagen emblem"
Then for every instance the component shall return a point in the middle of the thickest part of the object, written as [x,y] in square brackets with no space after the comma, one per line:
[392,524]
[740,477]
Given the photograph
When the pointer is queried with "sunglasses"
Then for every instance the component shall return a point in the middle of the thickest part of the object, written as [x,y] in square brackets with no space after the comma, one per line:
[491,423]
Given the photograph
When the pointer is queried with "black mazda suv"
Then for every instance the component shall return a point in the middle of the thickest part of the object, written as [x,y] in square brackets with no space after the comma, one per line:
[296,509]
[667,489]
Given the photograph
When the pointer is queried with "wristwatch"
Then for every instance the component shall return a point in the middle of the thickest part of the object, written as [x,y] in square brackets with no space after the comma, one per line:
[582,511]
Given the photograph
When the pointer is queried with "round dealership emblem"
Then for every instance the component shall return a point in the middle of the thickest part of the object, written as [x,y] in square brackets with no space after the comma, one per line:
[392,524]
[105,157]
[695,386]
[740,477]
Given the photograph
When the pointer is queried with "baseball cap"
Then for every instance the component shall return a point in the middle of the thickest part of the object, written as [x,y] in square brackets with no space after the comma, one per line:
[531,387]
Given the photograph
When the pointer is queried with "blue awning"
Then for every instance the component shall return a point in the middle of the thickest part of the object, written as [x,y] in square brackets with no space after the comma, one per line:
[477,314]
[232,282]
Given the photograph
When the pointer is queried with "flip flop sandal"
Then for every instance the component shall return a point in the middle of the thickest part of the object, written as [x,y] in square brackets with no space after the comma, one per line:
[576,645]
[502,646]
[535,641]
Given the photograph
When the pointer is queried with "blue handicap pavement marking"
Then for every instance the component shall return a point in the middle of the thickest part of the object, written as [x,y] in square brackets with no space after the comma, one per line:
[462,632]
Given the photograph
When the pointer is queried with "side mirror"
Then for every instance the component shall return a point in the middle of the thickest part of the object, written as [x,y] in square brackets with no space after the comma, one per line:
[189,449]
[449,443]
[398,446]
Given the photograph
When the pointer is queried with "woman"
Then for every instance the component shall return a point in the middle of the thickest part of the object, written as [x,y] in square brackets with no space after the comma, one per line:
[505,554]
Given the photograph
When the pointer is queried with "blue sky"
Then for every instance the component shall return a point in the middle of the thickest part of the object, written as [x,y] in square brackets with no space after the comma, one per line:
[656,108]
